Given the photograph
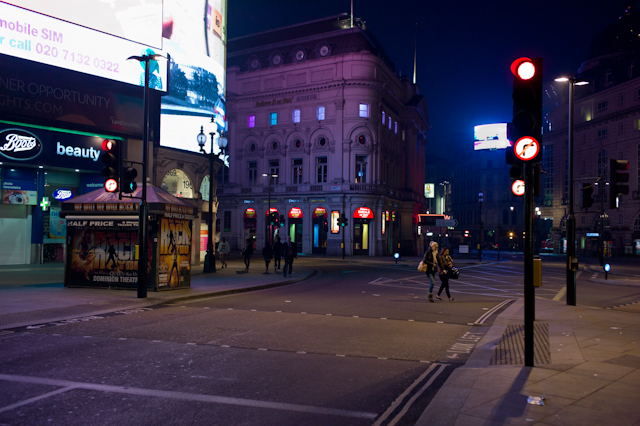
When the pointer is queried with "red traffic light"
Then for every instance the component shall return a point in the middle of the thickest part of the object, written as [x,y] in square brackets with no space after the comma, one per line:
[111,185]
[523,68]
[107,145]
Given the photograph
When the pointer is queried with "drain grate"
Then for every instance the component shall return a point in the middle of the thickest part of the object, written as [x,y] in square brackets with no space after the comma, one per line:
[510,348]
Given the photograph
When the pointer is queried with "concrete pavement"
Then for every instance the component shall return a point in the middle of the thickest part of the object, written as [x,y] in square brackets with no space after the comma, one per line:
[591,375]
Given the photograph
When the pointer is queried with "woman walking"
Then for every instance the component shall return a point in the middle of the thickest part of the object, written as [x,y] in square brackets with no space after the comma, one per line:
[267,253]
[277,254]
[445,263]
[247,252]
[431,260]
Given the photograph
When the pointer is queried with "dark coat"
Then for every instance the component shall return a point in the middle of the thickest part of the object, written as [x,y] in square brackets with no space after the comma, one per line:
[289,251]
[277,249]
[248,249]
[432,266]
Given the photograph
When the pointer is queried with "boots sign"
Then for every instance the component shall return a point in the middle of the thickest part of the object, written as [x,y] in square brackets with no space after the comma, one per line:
[35,146]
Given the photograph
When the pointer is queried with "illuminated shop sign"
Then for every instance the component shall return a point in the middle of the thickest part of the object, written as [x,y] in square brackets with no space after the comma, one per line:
[363,213]
[62,194]
[319,212]
[250,213]
[295,213]
[20,145]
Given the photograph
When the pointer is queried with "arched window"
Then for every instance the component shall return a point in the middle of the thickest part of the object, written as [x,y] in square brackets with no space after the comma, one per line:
[177,183]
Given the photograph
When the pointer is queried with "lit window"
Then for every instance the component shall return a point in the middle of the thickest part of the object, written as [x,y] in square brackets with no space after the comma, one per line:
[364,110]
[251,121]
[395,127]
[295,116]
[361,168]
[273,118]
[389,123]
[320,113]
[383,117]
[403,135]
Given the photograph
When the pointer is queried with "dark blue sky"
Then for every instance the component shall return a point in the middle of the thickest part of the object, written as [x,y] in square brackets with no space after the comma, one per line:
[465,48]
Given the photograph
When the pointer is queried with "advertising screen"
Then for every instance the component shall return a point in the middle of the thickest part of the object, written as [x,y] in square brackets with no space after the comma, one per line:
[136,20]
[195,38]
[490,136]
[40,38]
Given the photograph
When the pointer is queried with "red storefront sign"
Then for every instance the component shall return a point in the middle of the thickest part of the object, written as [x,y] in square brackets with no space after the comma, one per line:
[272,210]
[363,213]
[295,213]
[250,213]
[319,212]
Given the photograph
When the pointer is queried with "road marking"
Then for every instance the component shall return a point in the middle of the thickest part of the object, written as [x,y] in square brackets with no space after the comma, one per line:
[487,314]
[561,293]
[184,396]
[407,391]
[35,399]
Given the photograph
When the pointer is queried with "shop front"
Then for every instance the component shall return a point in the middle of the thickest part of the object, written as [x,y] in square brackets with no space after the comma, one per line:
[102,241]
[250,225]
[362,219]
[320,229]
[40,168]
[294,225]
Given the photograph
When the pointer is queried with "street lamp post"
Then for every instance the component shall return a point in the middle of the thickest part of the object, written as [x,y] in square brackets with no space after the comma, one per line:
[210,258]
[480,199]
[571,220]
[143,219]
[271,175]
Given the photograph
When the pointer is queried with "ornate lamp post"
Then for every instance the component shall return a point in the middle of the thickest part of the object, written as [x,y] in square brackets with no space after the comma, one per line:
[210,258]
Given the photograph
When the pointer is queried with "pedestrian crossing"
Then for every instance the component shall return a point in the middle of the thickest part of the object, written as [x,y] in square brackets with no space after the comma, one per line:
[502,280]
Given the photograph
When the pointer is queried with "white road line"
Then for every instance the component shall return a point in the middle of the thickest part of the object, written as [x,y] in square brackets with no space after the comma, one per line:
[487,314]
[407,391]
[35,399]
[561,293]
[185,396]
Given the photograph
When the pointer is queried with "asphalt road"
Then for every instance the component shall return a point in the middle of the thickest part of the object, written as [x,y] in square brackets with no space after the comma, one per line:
[358,344]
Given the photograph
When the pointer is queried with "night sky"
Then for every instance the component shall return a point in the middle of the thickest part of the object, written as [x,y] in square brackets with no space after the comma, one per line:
[465,48]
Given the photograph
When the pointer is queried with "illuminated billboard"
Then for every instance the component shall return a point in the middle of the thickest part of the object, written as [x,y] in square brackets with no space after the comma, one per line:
[490,136]
[136,20]
[195,37]
[35,37]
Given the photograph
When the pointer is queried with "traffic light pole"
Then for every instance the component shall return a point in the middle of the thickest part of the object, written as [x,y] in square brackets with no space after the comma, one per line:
[529,292]
[143,221]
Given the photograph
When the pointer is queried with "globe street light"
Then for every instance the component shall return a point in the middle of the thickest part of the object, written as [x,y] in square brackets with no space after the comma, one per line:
[210,258]
[571,220]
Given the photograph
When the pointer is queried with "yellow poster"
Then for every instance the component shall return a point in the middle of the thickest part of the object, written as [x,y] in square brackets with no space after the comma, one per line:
[174,263]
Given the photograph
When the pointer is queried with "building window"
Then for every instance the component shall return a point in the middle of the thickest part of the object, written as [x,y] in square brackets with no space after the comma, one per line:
[608,78]
[295,115]
[602,162]
[177,183]
[361,168]
[621,99]
[621,129]
[223,175]
[364,110]
[389,123]
[322,141]
[602,134]
[384,117]
[253,172]
[297,143]
[321,169]
[550,126]
[251,121]
[274,169]
[395,127]
[273,118]
[296,171]
[602,106]
[320,113]
[403,135]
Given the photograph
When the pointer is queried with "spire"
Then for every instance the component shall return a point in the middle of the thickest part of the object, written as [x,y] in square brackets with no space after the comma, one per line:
[415,51]
[351,14]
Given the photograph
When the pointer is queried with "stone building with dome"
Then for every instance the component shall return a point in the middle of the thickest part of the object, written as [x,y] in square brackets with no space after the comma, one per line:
[321,125]
[606,126]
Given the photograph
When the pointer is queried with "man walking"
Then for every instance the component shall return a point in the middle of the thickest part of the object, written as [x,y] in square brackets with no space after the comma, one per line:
[224,249]
[289,252]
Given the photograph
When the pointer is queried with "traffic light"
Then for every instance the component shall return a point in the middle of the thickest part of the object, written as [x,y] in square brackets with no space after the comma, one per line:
[618,178]
[325,225]
[343,221]
[587,195]
[111,160]
[129,185]
[526,125]
[281,220]
[272,218]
